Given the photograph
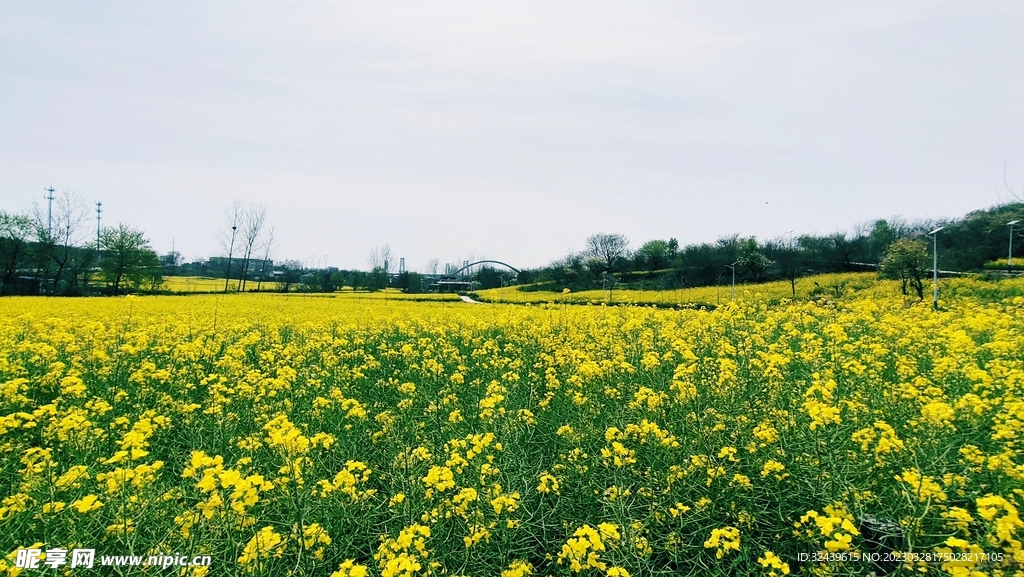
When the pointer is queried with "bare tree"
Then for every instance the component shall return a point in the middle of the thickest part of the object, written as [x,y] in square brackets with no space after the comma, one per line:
[607,248]
[432,266]
[254,216]
[381,258]
[269,244]
[1009,186]
[380,261]
[58,234]
[233,216]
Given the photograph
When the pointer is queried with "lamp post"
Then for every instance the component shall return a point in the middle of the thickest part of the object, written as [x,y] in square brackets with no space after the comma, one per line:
[935,267]
[733,267]
[231,250]
[1009,256]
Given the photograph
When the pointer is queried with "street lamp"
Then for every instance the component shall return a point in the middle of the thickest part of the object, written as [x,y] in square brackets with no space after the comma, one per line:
[231,250]
[1009,256]
[935,267]
[733,267]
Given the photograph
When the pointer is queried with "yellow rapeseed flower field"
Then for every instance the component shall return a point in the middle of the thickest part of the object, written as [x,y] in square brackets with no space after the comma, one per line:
[285,435]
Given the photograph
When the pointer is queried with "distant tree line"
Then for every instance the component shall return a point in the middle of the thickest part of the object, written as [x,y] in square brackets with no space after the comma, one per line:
[965,244]
[53,251]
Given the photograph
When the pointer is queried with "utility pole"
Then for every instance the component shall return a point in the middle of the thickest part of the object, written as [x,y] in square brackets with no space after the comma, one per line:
[231,251]
[1009,256]
[733,267]
[99,211]
[935,267]
[49,212]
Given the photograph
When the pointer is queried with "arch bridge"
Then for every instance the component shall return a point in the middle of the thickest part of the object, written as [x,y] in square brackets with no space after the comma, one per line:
[472,264]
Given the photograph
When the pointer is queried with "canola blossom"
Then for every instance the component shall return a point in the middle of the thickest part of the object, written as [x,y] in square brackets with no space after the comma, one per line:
[364,437]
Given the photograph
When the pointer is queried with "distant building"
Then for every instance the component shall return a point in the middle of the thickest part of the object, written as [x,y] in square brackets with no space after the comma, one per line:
[220,263]
[450,284]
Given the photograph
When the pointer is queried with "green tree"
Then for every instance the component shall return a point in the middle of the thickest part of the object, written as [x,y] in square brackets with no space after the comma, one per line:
[653,255]
[412,282]
[15,232]
[751,258]
[881,236]
[907,260]
[291,274]
[377,279]
[322,281]
[128,260]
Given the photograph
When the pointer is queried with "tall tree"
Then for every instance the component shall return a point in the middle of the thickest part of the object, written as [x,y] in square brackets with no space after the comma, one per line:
[128,258]
[380,261]
[269,244]
[228,235]
[607,248]
[381,257]
[254,216]
[58,234]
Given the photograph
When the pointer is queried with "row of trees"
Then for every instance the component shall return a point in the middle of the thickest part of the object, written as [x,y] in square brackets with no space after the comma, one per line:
[965,244]
[54,252]
[891,246]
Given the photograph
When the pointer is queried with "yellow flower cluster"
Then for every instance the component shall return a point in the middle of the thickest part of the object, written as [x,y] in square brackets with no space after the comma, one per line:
[282,433]
[723,540]
[773,564]
[834,526]
[349,481]
[583,550]
[266,543]
[404,555]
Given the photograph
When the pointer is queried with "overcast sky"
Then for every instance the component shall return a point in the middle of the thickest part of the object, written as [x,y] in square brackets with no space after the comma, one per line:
[509,130]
